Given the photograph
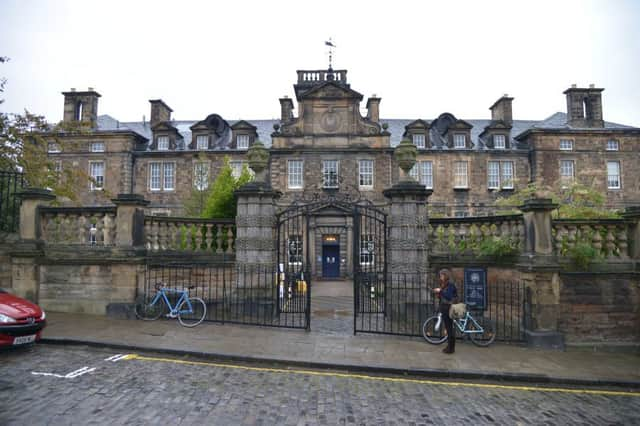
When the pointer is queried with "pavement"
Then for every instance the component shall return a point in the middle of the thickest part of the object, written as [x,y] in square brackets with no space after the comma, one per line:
[362,352]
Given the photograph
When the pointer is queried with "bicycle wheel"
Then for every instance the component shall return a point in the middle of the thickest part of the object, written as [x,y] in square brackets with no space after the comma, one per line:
[488,334]
[199,311]
[146,311]
[430,334]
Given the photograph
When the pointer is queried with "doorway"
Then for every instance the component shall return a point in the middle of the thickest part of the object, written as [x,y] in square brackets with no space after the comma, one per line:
[330,256]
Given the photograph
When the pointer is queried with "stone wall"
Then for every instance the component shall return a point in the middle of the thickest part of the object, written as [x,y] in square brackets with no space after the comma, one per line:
[600,307]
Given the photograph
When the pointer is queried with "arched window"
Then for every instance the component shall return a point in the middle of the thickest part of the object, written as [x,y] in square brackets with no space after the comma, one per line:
[79,108]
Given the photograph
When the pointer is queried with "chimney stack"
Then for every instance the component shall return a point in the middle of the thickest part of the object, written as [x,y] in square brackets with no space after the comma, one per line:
[81,107]
[160,112]
[373,108]
[286,109]
[584,106]
[501,110]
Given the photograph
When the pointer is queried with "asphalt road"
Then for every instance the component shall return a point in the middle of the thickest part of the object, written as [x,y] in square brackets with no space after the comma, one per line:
[46,384]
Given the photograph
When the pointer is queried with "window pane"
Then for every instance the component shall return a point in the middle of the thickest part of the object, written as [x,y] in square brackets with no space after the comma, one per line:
[499,141]
[154,176]
[414,172]
[460,174]
[566,144]
[418,141]
[201,176]
[243,141]
[163,143]
[613,174]
[493,176]
[367,250]
[202,142]
[96,170]
[97,147]
[294,174]
[294,248]
[612,145]
[566,169]
[330,173]
[427,174]
[366,173]
[459,141]
[168,175]
[507,174]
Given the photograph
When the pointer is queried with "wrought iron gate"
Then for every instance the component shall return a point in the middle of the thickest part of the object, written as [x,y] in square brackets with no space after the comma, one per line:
[293,263]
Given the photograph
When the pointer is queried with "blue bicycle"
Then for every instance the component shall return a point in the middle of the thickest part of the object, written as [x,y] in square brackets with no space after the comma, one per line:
[480,330]
[190,311]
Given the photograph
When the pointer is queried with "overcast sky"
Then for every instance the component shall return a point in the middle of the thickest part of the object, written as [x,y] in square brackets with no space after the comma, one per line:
[236,58]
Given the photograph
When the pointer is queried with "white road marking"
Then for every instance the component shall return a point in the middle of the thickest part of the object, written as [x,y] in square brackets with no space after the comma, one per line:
[75,373]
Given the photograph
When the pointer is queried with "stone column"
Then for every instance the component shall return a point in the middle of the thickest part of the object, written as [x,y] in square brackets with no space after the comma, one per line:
[25,271]
[128,257]
[632,214]
[539,271]
[129,220]
[408,221]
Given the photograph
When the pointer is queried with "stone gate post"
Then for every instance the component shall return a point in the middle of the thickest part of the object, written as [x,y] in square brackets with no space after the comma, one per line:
[25,270]
[540,274]
[408,219]
[633,215]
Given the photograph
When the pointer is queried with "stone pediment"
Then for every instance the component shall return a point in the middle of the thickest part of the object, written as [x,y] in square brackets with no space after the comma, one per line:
[242,124]
[331,90]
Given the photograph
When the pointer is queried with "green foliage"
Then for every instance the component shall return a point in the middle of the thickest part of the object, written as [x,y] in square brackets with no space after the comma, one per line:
[575,201]
[497,247]
[582,254]
[221,202]
[196,199]
[24,142]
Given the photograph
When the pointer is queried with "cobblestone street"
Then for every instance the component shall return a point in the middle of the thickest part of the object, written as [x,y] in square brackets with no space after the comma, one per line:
[81,385]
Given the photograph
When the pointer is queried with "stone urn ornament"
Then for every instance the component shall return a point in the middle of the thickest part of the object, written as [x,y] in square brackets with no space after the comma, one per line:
[258,157]
[405,155]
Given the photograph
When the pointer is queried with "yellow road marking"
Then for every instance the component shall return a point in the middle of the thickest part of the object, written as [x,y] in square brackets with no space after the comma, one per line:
[385,379]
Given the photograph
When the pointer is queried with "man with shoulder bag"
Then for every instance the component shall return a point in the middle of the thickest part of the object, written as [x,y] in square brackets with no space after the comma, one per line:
[448,294]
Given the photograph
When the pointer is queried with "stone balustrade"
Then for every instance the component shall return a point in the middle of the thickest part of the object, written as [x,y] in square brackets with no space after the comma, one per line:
[464,235]
[189,234]
[608,236]
[92,226]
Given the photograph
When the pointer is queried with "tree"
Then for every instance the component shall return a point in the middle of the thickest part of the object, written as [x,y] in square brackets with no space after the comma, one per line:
[221,202]
[196,200]
[25,140]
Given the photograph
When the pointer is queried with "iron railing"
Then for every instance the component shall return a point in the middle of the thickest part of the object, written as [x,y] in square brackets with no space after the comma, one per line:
[400,304]
[10,184]
[237,293]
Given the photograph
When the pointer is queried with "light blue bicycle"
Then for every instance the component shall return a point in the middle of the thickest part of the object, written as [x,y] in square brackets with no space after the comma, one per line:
[190,311]
[481,330]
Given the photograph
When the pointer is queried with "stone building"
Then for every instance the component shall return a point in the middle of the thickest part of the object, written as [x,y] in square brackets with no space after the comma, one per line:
[329,147]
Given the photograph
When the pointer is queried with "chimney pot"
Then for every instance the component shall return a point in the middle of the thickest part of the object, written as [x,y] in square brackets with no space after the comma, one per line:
[91,89]
[73,89]
[506,95]
[573,86]
[591,86]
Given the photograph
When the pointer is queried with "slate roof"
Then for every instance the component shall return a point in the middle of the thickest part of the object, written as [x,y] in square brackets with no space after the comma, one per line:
[557,121]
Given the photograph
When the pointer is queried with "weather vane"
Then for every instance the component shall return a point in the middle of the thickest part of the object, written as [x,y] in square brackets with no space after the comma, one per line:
[331,47]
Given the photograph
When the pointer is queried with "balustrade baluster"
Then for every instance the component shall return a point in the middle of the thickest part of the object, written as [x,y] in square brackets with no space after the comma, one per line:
[229,239]
[623,246]
[610,242]
[209,237]
[596,240]
[219,239]
[147,234]
[163,235]
[155,245]
[198,236]
[100,228]
[108,226]
[82,228]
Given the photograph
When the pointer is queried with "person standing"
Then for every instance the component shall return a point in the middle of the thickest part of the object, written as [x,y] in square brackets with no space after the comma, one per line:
[448,294]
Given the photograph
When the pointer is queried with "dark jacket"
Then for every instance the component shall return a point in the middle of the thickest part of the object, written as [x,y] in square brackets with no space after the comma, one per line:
[449,294]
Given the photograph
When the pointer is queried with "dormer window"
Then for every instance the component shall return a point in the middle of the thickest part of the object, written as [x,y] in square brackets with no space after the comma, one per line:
[612,145]
[566,145]
[243,141]
[499,142]
[163,143]
[419,141]
[459,141]
[202,142]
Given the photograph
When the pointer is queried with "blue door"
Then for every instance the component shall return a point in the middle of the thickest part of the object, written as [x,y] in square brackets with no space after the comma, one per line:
[330,261]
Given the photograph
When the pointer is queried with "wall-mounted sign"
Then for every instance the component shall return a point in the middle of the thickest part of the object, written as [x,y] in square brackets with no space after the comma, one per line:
[475,288]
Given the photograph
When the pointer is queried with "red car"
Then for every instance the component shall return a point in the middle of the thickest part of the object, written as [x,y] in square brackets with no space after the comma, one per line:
[21,321]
